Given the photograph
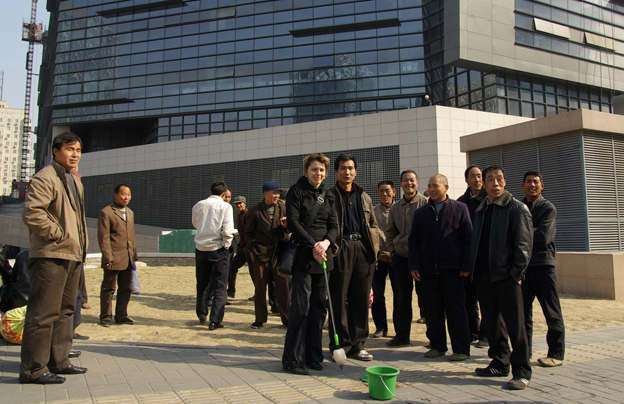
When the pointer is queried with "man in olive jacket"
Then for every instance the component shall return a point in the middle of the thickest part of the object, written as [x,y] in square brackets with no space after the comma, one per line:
[541,281]
[500,251]
[354,267]
[55,216]
[117,242]
[265,227]
[397,234]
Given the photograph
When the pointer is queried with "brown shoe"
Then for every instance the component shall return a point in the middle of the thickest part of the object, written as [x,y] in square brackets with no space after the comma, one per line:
[86,306]
[550,362]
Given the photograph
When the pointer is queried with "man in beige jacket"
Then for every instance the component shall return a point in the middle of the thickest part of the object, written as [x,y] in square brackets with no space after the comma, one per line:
[397,233]
[118,246]
[54,214]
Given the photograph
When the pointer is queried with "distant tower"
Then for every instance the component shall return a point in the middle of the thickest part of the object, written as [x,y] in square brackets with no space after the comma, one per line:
[1,83]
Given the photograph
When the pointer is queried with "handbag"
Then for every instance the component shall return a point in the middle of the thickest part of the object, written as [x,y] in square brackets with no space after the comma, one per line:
[288,252]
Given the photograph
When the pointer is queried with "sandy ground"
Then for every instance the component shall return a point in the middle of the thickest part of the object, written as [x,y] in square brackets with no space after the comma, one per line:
[165,313]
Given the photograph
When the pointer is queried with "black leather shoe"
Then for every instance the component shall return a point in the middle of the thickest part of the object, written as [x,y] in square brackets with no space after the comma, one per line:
[47,378]
[78,336]
[398,342]
[202,320]
[74,354]
[296,371]
[214,326]
[106,323]
[125,320]
[314,365]
[72,370]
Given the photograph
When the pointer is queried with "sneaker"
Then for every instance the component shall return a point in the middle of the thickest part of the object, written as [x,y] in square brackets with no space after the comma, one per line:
[361,355]
[518,383]
[257,325]
[458,357]
[483,343]
[379,333]
[421,320]
[434,353]
[550,362]
[491,371]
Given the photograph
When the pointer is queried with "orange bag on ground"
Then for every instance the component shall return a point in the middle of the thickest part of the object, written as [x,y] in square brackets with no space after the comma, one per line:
[13,325]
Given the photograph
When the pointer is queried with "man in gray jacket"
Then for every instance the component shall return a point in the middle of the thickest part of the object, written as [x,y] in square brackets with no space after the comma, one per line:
[55,216]
[397,233]
[541,281]
[500,250]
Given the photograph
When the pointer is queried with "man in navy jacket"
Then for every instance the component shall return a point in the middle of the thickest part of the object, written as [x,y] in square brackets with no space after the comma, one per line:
[439,254]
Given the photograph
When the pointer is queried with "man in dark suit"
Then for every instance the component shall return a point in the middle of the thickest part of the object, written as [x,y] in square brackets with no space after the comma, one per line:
[117,242]
[265,227]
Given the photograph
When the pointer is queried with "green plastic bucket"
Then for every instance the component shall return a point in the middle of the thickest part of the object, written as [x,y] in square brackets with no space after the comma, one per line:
[381,382]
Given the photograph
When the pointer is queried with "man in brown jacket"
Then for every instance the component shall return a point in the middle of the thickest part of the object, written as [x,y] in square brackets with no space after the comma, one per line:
[397,233]
[117,243]
[265,227]
[54,214]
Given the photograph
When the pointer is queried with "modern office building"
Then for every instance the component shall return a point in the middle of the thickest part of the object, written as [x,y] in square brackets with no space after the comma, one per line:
[169,95]
[11,133]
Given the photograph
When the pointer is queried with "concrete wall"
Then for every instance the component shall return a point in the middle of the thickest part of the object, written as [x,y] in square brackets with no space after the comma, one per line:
[428,138]
[591,274]
[480,35]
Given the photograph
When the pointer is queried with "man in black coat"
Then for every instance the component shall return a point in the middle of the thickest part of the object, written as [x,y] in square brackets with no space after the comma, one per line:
[500,251]
[540,280]
[439,253]
[474,195]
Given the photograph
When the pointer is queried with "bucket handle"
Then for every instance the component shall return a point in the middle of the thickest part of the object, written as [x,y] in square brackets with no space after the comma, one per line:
[384,383]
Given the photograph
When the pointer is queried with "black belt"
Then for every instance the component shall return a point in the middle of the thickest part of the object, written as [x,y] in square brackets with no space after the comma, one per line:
[352,236]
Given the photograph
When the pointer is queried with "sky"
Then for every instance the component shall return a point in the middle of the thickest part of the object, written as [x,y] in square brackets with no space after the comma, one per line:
[13,52]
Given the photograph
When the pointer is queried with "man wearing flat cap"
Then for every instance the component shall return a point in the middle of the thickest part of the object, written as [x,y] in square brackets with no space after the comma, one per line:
[265,226]
[240,258]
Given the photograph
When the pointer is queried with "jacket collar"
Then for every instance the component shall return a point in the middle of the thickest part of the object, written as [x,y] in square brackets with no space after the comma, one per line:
[480,196]
[60,171]
[540,199]
[502,201]
[446,201]
[117,210]
[358,188]
[411,201]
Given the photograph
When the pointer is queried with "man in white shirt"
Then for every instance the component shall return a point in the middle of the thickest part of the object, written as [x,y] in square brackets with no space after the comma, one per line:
[213,219]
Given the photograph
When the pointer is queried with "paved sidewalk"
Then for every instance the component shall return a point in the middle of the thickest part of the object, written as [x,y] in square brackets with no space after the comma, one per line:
[121,373]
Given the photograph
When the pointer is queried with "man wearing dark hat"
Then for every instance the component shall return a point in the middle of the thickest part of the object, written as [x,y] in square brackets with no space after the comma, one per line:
[265,226]
[240,258]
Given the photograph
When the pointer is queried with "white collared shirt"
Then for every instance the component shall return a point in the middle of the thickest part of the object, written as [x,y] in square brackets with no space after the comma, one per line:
[212,217]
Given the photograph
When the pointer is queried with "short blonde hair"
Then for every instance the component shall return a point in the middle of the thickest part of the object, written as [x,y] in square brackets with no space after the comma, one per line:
[320,157]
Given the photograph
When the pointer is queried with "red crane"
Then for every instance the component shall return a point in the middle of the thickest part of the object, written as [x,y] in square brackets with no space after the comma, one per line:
[33,34]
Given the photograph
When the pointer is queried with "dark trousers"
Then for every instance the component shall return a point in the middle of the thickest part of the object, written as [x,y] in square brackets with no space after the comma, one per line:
[351,281]
[303,341]
[445,298]
[541,282]
[476,323]
[402,312]
[262,272]
[48,328]
[236,261]
[503,310]
[122,279]
[378,309]
[78,311]
[211,269]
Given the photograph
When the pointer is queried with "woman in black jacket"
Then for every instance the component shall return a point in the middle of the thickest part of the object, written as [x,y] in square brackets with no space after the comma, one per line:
[303,344]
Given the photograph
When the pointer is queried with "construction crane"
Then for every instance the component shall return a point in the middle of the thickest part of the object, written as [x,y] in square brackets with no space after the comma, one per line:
[33,34]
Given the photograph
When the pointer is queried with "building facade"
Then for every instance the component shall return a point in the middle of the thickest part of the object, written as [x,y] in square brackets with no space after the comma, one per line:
[11,135]
[127,75]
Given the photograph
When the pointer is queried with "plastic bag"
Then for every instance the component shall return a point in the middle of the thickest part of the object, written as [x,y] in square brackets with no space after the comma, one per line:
[134,283]
[13,325]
